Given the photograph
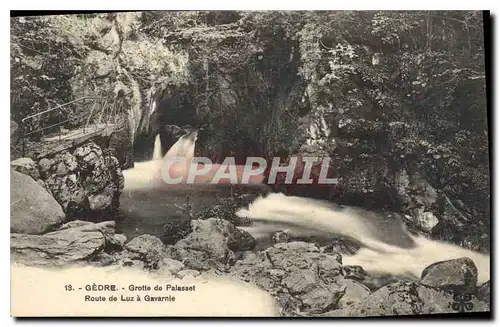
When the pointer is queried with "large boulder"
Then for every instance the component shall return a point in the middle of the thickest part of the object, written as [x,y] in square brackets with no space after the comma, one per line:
[170,266]
[354,292]
[148,250]
[143,244]
[211,244]
[33,210]
[113,242]
[235,238]
[456,275]
[423,220]
[203,251]
[88,180]
[60,248]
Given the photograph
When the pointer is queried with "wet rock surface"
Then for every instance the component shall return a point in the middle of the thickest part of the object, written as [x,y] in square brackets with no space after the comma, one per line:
[235,238]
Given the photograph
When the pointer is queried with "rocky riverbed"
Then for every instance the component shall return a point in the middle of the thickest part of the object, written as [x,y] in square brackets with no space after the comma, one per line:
[304,278]
[51,199]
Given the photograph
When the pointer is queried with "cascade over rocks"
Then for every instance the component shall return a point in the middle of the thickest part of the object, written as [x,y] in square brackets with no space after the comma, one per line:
[406,135]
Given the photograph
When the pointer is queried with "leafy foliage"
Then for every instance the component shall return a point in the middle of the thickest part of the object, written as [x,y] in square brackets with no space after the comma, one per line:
[410,86]
[41,66]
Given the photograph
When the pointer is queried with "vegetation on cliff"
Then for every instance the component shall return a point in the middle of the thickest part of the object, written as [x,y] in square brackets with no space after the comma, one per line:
[381,92]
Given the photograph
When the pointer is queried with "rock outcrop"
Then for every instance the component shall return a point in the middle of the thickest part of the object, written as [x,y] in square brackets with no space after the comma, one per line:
[85,181]
[304,278]
[457,275]
[75,242]
[211,244]
[143,244]
[32,209]
[120,144]
[113,242]
[298,274]
[65,247]
[483,292]
[406,298]
[306,281]
[26,166]
[235,238]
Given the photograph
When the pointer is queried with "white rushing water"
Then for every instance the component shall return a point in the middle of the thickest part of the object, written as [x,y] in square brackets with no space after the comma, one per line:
[147,174]
[157,152]
[387,246]
[304,216]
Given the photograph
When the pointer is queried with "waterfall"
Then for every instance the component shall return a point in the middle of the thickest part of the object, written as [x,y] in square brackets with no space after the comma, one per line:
[157,152]
[147,174]
[386,245]
[184,147]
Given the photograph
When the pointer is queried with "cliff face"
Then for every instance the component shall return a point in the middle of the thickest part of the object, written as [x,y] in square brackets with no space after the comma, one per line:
[86,181]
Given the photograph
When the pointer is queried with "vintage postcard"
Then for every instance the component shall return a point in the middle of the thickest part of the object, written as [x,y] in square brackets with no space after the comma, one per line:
[250,164]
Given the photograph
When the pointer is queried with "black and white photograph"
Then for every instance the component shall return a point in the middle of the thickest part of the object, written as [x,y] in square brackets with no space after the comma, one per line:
[254,163]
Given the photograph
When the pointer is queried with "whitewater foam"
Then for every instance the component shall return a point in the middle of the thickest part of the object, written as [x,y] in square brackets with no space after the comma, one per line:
[147,174]
[381,252]
[387,247]
[157,152]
